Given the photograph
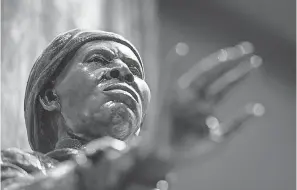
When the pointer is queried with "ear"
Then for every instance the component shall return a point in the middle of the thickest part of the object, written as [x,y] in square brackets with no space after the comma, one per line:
[49,100]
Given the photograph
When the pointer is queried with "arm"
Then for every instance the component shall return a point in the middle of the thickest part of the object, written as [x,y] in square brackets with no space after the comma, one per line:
[104,164]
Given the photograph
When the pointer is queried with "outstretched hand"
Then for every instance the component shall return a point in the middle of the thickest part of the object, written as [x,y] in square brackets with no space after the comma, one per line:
[201,89]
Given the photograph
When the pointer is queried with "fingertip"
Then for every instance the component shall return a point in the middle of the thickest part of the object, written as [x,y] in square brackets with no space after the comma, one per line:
[223,55]
[255,109]
[256,61]
[214,126]
[119,145]
[103,143]
[182,49]
[258,110]
[162,185]
[212,122]
[246,47]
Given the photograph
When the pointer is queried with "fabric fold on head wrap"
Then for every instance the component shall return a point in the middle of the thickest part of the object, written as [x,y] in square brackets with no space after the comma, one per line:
[46,68]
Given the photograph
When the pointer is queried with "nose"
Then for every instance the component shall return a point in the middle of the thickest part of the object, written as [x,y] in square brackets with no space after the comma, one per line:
[120,71]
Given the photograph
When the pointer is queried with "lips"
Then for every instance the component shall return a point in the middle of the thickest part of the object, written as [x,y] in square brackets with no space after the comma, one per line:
[123,87]
[123,93]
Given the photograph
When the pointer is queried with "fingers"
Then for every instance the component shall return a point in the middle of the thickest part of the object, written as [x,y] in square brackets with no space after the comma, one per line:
[230,58]
[162,185]
[210,66]
[220,132]
[221,86]
[95,148]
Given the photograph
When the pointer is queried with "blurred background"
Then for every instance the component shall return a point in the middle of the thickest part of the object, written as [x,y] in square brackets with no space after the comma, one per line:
[261,157]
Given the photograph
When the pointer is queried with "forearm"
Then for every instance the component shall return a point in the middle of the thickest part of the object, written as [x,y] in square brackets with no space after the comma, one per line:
[105,168]
[62,177]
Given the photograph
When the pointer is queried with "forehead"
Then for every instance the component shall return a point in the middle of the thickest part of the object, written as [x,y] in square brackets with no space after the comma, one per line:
[115,47]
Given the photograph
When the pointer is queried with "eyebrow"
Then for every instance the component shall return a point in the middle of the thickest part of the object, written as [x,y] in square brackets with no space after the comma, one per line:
[107,53]
[111,54]
[132,62]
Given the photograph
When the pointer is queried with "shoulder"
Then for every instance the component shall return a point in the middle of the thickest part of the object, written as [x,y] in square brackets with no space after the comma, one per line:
[17,163]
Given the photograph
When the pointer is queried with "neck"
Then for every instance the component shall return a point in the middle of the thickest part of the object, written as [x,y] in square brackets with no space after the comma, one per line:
[68,139]
[65,137]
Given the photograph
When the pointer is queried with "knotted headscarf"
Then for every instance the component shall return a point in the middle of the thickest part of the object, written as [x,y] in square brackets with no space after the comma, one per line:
[46,68]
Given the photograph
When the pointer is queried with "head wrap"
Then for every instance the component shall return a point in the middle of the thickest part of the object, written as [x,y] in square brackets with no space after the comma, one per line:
[47,67]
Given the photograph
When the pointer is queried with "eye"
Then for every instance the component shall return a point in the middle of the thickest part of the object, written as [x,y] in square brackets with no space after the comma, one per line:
[98,59]
[136,71]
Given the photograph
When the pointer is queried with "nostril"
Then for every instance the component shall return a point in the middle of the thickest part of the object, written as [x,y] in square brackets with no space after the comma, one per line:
[114,73]
[129,78]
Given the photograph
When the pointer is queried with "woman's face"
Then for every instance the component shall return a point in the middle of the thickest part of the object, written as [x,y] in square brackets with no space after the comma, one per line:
[102,91]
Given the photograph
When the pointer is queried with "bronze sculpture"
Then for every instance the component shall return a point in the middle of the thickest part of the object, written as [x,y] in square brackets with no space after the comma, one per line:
[87,85]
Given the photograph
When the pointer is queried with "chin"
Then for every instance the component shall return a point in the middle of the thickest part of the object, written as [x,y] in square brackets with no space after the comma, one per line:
[114,119]
[123,121]
[120,131]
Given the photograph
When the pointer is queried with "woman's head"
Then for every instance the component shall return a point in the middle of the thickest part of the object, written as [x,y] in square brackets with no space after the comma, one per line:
[87,84]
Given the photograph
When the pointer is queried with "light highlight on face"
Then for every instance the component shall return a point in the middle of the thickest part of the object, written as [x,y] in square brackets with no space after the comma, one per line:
[102,91]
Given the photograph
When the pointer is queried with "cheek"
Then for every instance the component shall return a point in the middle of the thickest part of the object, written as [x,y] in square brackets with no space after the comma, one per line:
[74,89]
[145,93]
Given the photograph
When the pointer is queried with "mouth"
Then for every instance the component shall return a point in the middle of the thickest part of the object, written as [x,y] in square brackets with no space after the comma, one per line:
[124,88]
[123,93]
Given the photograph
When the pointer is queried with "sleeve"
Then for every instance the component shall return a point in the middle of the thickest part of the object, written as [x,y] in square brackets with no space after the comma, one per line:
[17,167]
[35,171]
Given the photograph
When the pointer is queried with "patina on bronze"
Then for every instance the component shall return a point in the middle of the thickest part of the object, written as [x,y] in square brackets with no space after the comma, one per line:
[48,86]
